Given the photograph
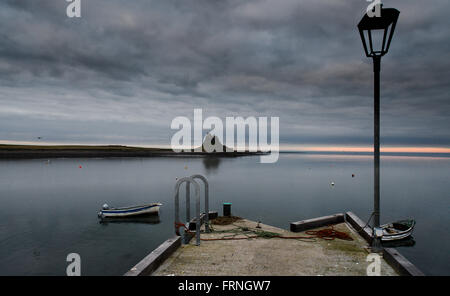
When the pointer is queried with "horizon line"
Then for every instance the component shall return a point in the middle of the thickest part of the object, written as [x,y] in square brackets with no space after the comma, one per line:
[283,148]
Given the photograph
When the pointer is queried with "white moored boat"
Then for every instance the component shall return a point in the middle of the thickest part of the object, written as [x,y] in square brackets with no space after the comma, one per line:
[397,230]
[147,209]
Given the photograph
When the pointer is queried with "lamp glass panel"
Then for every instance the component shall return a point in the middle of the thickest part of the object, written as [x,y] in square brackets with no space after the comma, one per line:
[377,40]
[366,39]
[388,33]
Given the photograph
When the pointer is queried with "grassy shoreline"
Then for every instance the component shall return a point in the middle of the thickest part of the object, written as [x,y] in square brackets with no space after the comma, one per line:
[75,151]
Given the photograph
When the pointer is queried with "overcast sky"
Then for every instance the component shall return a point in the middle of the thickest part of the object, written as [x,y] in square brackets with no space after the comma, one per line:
[125,69]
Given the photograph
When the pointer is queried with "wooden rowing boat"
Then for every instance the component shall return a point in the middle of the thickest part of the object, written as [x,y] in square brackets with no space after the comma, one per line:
[147,209]
[397,230]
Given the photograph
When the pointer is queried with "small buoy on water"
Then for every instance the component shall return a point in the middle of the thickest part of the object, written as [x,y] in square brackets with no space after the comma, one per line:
[353,175]
[332,183]
[80,166]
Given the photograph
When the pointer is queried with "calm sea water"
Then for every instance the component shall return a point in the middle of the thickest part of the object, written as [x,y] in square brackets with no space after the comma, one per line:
[49,210]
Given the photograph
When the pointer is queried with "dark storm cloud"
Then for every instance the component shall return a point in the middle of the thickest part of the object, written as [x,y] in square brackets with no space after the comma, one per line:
[123,71]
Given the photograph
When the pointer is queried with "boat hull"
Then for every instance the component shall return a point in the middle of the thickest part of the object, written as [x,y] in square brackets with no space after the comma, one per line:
[397,230]
[387,238]
[149,209]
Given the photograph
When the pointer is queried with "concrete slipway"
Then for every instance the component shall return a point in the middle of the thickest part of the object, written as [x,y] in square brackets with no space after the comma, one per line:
[274,256]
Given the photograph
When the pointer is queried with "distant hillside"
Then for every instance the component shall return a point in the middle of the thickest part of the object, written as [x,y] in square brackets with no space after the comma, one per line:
[83,151]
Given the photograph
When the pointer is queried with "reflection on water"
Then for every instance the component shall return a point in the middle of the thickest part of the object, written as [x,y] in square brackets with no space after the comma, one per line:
[211,164]
[406,242]
[147,219]
[50,209]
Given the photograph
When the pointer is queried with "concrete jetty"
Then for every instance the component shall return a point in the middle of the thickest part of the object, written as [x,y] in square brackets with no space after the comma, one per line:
[274,256]
[271,256]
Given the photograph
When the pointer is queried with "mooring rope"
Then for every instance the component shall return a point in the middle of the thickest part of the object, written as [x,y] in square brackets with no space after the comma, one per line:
[329,234]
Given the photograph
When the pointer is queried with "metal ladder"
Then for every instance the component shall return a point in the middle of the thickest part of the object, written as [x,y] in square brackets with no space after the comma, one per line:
[188,181]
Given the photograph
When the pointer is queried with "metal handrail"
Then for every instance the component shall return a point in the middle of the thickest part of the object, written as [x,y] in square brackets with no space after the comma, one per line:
[188,180]
[205,181]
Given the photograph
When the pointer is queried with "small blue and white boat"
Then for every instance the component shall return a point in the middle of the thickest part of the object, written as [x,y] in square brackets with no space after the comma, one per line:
[147,209]
[397,230]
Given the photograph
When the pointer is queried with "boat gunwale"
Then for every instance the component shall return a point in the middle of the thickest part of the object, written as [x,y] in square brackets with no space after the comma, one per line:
[131,209]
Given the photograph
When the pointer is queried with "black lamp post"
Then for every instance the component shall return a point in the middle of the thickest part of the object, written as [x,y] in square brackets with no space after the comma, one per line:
[378,31]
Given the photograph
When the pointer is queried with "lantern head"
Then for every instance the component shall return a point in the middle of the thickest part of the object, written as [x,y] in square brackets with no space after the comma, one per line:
[376,32]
